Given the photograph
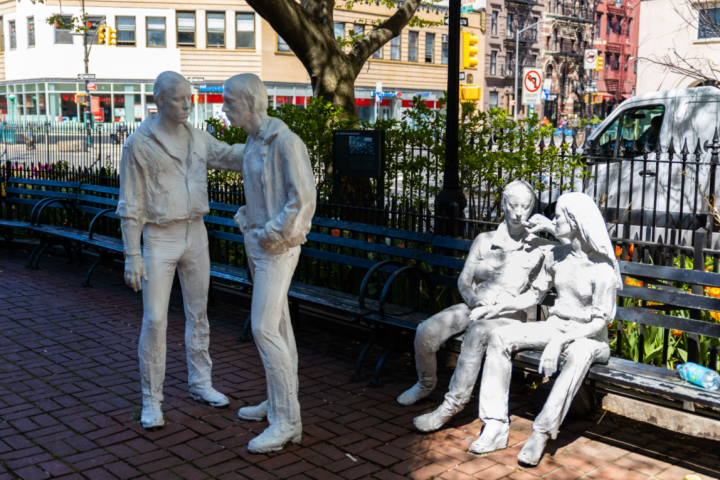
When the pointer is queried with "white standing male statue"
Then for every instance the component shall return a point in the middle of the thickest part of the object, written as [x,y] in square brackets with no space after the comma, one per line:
[501,262]
[163,198]
[280,193]
[586,275]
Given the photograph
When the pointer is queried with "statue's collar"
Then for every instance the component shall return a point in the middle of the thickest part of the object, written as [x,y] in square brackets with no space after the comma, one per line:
[504,241]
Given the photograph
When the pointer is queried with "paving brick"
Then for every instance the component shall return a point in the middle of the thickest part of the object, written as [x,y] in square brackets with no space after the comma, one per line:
[428,471]
[31,473]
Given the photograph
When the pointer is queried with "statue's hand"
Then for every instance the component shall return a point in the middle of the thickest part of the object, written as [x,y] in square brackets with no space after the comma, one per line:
[135,272]
[538,223]
[488,311]
[550,358]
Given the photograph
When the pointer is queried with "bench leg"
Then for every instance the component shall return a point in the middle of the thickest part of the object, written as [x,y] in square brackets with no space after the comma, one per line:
[69,250]
[36,266]
[32,255]
[361,358]
[86,283]
[246,329]
[376,379]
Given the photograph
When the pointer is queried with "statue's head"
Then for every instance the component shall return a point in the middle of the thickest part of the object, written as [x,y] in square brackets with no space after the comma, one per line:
[518,202]
[244,97]
[173,97]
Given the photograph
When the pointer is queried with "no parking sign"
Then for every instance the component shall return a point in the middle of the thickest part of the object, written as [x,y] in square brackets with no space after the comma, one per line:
[590,61]
[532,86]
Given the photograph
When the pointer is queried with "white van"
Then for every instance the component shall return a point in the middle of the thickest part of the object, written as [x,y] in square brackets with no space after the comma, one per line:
[669,188]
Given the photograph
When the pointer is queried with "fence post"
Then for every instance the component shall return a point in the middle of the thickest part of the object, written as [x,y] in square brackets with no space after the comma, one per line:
[698,265]
[714,149]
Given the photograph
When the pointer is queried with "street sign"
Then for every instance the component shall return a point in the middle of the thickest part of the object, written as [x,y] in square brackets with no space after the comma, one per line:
[86,76]
[196,79]
[91,86]
[462,76]
[531,83]
[547,84]
[463,21]
[466,8]
[590,59]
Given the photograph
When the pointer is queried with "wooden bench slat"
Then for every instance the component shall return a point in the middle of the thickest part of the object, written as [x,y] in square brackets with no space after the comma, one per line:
[215,220]
[40,193]
[452,243]
[233,237]
[99,189]
[367,246]
[670,273]
[44,183]
[644,317]
[443,261]
[373,230]
[224,207]
[95,199]
[681,300]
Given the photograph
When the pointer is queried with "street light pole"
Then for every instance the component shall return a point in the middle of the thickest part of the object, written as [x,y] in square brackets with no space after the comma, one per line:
[517,54]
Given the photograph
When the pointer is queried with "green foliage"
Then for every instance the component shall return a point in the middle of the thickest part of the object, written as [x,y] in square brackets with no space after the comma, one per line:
[494,149]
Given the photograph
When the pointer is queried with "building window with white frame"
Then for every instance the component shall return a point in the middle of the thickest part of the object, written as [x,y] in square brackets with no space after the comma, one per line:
[444,50]
[282,45]
[244,30]
[125,31]
[31,31]
[412,46]
[708,23]
[395,48]
[493,62]
[13,34]
[358,30]
[493,100]
[63,36]
[186,29]
[156,32]
[493,23]
[215,24]
[339,31]
[429,48]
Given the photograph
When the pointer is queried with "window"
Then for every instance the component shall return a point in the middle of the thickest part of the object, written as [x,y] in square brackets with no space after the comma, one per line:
[642,125]
[708,23]
[358,30]
[608,22]
[156,32]
[618,25]
[339,29]
[125,30]
[2,35]
[629,21]
[444,50]
[245,30]
[13,35]
[616,65]
[493,99]
[627,62]
[215,30]
[509,29]
[554,40]
[493,62]
[395,48]
[533,60]
[598,21]
[94,24]
[31,31]
[429,48]
[282,45]
[493,23]
[186,29]
[412,46]
[62,35]
[378,53]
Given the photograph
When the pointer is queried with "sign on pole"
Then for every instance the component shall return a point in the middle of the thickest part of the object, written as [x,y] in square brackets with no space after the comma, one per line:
[590,60]
[86,76]
[462,75]
[196,79]
[531,86]
[463,21]
[91,86]
[466,8]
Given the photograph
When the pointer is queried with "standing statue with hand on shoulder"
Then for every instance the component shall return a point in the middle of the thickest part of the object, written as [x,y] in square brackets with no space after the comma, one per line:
[280,194]
[163,198]
[501,262]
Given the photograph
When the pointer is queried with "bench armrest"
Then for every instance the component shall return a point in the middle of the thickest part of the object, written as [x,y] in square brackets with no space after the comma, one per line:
[100,214]
[421,274]
[36,221]
[366,280]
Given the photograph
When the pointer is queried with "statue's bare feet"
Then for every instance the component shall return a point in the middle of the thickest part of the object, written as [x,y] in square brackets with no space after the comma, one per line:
[416,393]
[258,413]
[434,420]
[494,437]
[532,452]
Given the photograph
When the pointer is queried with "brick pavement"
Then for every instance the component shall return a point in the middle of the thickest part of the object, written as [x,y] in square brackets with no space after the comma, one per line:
[69,399]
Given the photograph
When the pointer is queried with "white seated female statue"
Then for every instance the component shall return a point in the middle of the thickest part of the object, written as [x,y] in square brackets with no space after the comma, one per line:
[585,273]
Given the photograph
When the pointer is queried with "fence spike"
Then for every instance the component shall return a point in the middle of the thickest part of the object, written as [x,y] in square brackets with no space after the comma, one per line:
[671,148]
[698,151]
[685,151]
[552,141]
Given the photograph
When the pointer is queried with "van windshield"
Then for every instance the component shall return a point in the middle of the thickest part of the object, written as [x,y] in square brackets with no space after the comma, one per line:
[637,126]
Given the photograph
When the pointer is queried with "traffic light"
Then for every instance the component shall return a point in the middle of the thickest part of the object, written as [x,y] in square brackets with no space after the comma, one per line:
[468,50]
[600,63]
[81,99]
[469,93]
[112,36]
[102,34]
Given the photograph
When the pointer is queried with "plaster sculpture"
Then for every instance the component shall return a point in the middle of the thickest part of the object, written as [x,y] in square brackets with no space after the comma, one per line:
[280,192]
[585,274]
[163,198]
[500,262]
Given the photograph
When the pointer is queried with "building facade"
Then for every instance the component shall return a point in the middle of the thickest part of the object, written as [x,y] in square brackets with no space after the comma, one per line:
[617,27]
[503,20]
[695,37]
[212,39]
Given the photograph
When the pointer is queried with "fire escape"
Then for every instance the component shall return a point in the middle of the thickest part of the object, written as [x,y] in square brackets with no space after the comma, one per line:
[520,15]
[571,33]
[614,72]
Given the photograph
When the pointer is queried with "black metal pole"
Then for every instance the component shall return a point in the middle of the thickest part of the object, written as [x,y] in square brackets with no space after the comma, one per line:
[451,191]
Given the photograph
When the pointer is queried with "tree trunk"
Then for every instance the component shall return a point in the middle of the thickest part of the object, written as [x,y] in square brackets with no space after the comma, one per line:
[334,82]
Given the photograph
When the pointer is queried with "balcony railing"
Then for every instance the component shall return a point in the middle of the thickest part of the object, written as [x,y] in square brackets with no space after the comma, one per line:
[508,68]
[526,36]
[569,10]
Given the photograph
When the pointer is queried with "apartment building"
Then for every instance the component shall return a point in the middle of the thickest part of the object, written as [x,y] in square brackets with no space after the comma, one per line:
[212,39]
[503,20]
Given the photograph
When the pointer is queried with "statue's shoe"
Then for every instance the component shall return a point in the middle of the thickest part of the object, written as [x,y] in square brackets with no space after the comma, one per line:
[434,420]
[415,394]
[494,437]
[258,413]
[152,415]
[532,452]
[274,438]
[210,396]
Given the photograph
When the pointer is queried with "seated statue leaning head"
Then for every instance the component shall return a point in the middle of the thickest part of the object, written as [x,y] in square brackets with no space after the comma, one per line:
[518,202]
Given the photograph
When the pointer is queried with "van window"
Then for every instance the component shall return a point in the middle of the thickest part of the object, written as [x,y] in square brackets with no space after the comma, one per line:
[641,125]
[607,138]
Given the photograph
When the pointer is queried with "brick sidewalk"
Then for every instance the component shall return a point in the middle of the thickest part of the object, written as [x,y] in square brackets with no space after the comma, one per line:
[69,396]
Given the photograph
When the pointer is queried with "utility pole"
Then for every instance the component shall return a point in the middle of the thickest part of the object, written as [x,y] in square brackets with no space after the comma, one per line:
[451,191]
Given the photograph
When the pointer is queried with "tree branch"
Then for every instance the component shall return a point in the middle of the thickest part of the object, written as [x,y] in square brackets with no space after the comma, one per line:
[364,48]
[323,11]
